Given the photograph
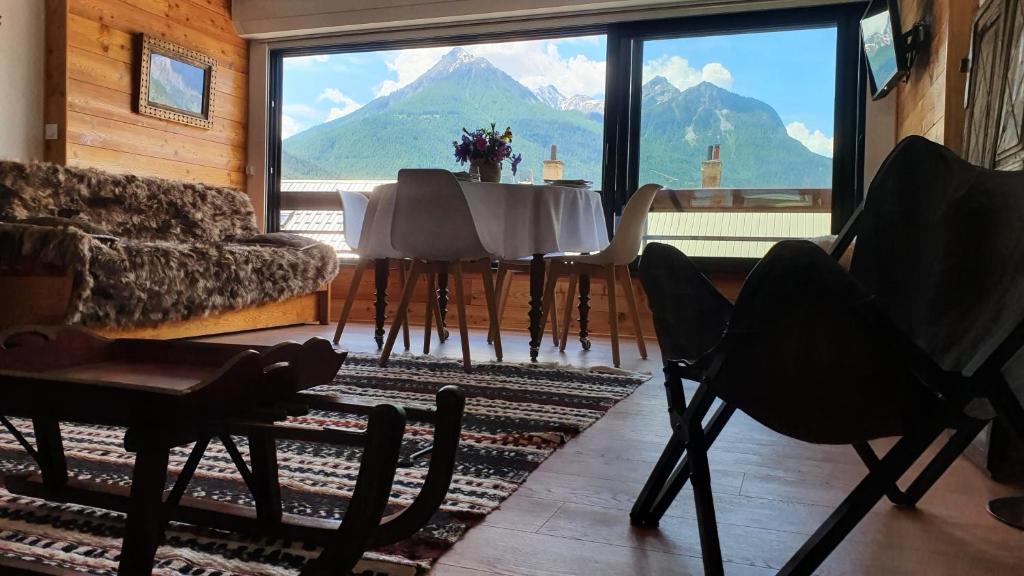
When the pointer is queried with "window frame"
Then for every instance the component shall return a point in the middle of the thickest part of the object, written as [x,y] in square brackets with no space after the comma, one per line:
[622,163]
[623,78]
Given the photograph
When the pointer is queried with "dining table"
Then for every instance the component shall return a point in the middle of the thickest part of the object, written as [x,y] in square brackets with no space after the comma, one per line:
[515,222]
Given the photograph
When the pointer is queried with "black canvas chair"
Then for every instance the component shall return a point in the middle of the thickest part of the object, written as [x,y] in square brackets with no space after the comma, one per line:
[911,341]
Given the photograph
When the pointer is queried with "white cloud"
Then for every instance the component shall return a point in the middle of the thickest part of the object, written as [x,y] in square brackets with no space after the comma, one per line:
[717,74]
[533,63]
[290,126]
[408,65]
[348,105]
[536,63]
[336,112]
[302,111]
[815,141]
[678,71]
[304,62]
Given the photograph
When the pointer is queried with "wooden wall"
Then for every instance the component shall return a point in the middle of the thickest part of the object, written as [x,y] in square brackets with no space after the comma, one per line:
[931,102]
[98,62]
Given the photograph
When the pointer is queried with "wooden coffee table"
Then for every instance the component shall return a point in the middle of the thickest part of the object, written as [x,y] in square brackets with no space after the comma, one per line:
[172,393]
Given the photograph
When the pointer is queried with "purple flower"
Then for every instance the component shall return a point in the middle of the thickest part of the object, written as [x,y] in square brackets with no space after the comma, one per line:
[485,144]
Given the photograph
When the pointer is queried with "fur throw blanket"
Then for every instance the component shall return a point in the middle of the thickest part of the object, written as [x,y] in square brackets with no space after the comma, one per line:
[143,251]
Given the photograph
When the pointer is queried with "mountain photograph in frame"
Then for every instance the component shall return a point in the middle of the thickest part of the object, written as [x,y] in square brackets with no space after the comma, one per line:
[175,83]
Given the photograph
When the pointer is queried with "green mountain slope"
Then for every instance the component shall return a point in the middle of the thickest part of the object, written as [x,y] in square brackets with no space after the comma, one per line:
[756,151]
[414,126]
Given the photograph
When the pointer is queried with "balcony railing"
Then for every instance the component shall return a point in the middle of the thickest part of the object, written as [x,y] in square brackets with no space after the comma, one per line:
[313,208]
[731,222]
[737,222]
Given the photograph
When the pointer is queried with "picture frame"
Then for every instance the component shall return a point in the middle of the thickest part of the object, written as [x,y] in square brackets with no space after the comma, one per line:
[174,83]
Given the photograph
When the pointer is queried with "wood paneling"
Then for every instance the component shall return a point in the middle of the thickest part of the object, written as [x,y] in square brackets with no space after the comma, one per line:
[931,102]
[56,79]
[303,309]
[95,57]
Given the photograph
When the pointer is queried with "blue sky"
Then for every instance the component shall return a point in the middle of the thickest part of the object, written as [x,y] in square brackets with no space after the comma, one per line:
[793,71]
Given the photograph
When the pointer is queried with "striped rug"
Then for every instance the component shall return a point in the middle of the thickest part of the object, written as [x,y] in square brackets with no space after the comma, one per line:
[516,416]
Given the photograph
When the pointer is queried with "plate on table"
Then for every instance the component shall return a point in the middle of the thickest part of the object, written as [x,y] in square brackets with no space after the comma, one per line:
[570,183]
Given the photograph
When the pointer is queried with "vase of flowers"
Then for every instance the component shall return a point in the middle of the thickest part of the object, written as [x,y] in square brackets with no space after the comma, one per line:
[486,150]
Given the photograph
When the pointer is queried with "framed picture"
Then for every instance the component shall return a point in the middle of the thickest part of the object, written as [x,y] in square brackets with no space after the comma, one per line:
[175,83]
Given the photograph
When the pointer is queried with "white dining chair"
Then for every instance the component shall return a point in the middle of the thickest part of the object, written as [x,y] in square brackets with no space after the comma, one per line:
[611,264]
[358,214]
[433,226]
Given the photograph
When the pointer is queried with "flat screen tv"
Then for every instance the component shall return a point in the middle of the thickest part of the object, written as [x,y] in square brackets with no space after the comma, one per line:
[884,47]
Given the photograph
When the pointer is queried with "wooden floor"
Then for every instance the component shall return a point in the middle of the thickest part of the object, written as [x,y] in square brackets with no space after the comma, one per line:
[571,516]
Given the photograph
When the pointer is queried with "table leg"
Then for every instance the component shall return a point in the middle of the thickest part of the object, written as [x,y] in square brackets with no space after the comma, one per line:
[442,302]
[536,296]
[584,309]
[50,452]
[263,462]
[380,304]
[144,524]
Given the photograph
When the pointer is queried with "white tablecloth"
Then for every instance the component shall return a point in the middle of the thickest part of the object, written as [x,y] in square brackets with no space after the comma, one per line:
[514,220]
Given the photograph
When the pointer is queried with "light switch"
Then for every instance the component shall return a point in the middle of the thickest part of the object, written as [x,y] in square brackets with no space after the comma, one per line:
[50,132]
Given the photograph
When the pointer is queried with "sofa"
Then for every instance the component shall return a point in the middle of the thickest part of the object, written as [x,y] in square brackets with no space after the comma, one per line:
[136,252]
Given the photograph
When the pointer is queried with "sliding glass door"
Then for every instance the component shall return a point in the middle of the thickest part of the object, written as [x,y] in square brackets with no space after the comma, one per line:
[351,120]
[750,121]
[741,120]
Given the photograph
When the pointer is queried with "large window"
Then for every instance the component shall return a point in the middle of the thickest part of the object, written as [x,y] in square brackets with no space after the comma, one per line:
[353,120]
[749,121]
[740,127]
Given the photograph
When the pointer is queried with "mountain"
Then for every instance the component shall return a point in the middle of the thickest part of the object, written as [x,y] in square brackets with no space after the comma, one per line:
[168,86]
[552,97]
[756,151]
[656,91]
[414,127]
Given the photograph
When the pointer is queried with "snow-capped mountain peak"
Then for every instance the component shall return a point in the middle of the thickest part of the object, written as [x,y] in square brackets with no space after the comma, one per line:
[554,98]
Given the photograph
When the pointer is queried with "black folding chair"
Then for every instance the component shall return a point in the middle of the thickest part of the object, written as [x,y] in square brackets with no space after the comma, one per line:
[904,344]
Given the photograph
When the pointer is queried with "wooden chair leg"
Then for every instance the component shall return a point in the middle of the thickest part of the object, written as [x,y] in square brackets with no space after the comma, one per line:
[429,312]
[492,309]
[403,310]
[460,303]
[357,275]
[404,273]
[442,303]
[554,316]
[500,283]
[613,314]
[567,313]
[627,287]
[554,269]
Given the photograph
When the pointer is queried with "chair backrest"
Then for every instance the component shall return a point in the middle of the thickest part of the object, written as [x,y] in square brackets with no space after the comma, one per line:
[625,246]
[939,246]
[690,315]
[353,205]
[432,220]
